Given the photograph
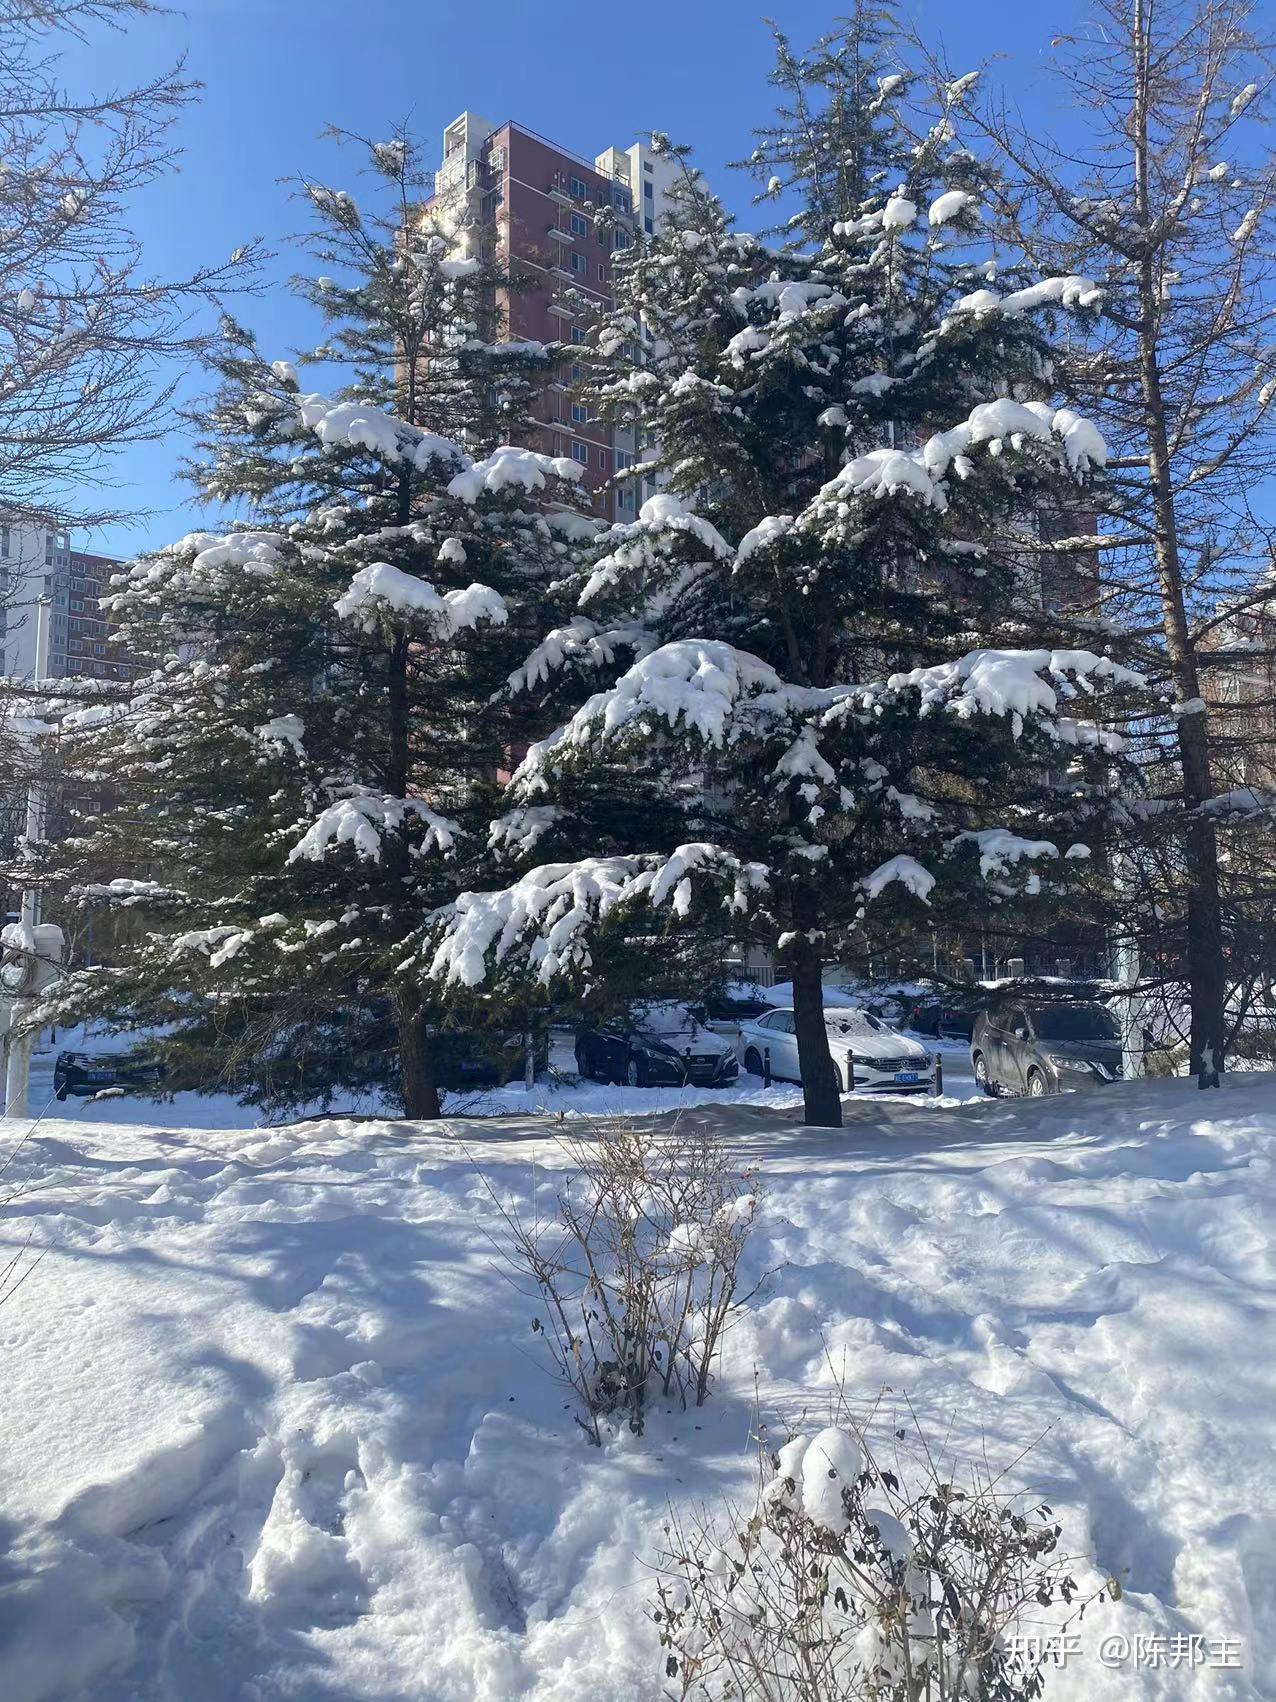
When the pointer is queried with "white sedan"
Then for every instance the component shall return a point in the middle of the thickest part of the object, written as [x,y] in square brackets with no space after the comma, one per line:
[881,1057]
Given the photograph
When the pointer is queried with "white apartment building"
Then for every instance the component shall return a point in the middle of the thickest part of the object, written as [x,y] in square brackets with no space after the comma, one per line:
[35,562]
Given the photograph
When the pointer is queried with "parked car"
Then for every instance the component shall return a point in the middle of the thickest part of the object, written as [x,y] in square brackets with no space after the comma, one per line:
[89,1072]
[657,1045]
[881,1058]
[465,1059]
[1039,1048]
[948,1013]
[733,1008]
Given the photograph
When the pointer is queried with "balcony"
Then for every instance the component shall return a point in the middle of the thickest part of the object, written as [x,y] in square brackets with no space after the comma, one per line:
[560,235]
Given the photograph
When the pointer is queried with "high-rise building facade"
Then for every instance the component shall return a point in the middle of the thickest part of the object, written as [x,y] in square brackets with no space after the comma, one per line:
[36,561]
[556,222]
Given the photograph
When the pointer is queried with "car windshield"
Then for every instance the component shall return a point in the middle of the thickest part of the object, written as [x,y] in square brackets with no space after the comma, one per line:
[665,1018]
[853,1022]
[1075,1022]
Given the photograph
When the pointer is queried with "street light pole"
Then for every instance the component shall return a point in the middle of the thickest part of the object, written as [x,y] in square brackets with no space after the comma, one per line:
[20,1039]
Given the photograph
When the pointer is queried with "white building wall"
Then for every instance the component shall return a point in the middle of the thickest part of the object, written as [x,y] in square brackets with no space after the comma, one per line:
[35,562]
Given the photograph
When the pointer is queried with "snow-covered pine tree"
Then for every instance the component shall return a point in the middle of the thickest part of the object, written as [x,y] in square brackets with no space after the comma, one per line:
[311,765]
[824,635]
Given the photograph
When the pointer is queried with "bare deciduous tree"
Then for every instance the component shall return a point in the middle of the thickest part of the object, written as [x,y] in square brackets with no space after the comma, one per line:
[1167,203]
[87,334]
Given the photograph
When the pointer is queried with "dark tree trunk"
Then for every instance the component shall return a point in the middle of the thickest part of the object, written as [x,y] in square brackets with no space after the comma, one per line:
[1204,916]
[821,1090]
[1205,967]
[416,1060]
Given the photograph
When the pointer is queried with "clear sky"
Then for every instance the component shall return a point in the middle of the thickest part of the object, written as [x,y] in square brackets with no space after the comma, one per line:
[586,74]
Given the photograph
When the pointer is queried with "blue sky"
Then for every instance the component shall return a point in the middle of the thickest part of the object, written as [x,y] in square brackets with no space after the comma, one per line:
[585,74]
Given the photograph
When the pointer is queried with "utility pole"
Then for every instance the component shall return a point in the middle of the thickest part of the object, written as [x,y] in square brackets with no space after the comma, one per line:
[24,975]
[1127,969]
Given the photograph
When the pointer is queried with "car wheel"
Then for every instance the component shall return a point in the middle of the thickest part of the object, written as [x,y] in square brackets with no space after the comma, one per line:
[752,1062]
[635,1075]
[981,1076]
[1037,1088]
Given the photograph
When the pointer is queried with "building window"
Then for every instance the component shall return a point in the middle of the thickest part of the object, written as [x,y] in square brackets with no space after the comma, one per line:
[48,549]
[580,452]
[579,263]
[646,166]
[578,187]
[580,413]
[578,336]
[649,190]
[602,459]
[625,499]
[602,273]
[620,239]
[649,227]
[580,224]
[578,372]
[4,542]
[624,460]
[620,199]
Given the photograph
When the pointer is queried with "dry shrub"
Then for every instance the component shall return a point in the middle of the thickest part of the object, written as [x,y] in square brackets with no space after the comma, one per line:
[638,1269]
[844,1585]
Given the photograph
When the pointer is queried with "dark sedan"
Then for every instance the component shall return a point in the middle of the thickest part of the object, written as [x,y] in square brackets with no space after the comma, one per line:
[949,1013]
[86,1073]
[1035,1049]
[657,1045]
[465,1060]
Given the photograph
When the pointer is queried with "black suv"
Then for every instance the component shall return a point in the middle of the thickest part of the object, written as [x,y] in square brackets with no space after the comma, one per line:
[1022,1046]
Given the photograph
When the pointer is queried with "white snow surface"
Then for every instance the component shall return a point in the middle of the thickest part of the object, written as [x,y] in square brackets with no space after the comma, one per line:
[555,907]
[948,206]
[362,819]
[382,591]
[276,1426]
[508,468]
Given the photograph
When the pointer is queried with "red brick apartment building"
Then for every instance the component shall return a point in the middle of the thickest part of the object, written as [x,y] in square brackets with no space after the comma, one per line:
[90,649]
[555,220]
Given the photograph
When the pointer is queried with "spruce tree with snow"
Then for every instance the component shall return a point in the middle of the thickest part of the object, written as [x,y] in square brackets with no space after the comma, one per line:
[310,767]
[823,635]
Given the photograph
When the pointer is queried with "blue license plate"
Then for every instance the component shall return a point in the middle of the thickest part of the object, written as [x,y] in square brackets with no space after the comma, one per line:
[906,1075]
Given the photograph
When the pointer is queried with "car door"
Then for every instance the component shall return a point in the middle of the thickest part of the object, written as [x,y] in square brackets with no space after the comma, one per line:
[775,1041]
[613,1052]
[790,1069]
[1015,1044]
[993,1043]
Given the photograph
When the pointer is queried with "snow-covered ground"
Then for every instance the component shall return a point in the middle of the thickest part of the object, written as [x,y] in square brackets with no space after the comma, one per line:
[275,1423]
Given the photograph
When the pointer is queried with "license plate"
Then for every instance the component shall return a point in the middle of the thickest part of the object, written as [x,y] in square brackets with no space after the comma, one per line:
[99,1075]
[906,1075]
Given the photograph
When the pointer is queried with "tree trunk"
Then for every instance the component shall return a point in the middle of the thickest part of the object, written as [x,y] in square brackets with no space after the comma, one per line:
[416,1060]
[1205,967]
[1205,970]
[821,1090]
